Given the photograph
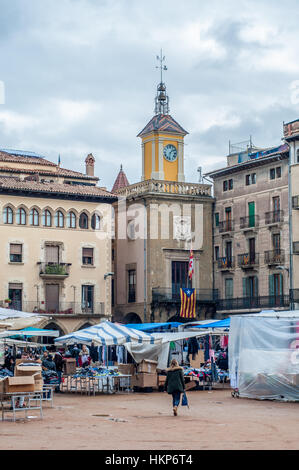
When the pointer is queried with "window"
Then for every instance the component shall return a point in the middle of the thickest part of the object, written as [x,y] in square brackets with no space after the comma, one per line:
[96,222]
[83,221]
[225,186]
[216,253]
[230,184]
[15,295]
[275,173]
[21,216]
[8,215]
[250,179]
[87,256]
[59,219]
[132,285]
[87,299]
[229,288]
[34,217]
[15,253]
[47,218]
[217,219]
[71,220]
[298,156]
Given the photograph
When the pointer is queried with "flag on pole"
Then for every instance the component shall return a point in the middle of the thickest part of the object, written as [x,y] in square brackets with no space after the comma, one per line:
[188,302]
[191,265]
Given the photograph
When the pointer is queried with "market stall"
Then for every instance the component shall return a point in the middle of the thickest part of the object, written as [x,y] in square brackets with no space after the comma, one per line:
[102,378]
[264,355]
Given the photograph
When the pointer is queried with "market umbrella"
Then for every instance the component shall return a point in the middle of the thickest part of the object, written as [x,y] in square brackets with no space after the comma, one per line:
[107,334]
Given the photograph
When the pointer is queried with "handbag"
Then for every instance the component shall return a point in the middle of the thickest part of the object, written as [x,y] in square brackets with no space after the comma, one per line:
[185,400]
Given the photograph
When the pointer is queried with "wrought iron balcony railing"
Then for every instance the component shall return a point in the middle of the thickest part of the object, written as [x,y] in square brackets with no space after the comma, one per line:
[275,257]
[226,226]
[258,302]
[249,221]
[43,307]
[248,260]
[226,263]
[274,217]
[167,294]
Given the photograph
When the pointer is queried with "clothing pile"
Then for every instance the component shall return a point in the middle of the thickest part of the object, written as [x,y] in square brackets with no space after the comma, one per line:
[5,373]
[50,377]
[95,372]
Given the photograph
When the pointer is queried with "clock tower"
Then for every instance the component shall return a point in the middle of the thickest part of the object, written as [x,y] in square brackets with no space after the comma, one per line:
[162,141]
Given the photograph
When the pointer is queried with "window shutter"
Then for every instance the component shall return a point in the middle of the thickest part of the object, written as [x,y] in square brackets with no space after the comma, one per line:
[15,249]
[52,254]
[88,252]
[271,284]
[244,287]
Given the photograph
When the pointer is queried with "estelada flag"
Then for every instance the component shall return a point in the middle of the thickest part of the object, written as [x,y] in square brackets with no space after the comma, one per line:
[191,266]
[188,302]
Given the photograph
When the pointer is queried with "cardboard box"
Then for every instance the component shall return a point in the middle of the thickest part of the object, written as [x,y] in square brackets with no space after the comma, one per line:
[69,366]
[38,385]
[198,360]
[147,366]
[126,369]
[161,380]
[24,371]
[143,380]
[18,384]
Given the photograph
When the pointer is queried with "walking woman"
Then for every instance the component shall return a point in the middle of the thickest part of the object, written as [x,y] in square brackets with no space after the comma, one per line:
[175,384]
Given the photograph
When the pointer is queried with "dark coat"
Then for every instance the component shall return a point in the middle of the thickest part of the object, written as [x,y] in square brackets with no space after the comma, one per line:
[175,380]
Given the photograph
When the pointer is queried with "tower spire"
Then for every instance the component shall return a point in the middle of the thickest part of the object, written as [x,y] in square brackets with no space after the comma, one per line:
[161,100]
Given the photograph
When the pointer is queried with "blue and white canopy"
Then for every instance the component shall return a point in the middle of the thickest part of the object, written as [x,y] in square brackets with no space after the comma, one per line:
[107,334]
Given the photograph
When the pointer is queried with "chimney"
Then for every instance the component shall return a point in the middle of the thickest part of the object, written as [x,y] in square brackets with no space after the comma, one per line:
[89,165]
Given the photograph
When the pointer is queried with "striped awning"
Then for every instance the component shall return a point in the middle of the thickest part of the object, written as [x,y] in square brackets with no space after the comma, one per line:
[107,334]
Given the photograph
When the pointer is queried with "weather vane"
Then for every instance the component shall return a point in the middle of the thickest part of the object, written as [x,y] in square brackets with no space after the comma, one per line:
[161,100]
[162,67]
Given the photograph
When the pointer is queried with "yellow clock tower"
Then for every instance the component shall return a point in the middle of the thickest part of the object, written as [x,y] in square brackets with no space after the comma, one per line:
[162,141]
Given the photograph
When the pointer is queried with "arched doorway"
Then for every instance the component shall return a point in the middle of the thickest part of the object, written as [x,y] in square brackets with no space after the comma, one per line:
[132,318]
[50,339]
[86,325]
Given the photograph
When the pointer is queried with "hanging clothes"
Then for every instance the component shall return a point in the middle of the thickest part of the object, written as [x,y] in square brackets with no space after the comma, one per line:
[207,348]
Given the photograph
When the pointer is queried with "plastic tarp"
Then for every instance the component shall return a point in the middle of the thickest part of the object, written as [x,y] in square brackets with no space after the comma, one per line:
[17,319]
[107,334]
[153,326]
[31,332]
[215,324]
[264,355]
[159,352]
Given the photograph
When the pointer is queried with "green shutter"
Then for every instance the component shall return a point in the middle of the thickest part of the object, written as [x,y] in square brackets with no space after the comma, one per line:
[244,287]
[271,284]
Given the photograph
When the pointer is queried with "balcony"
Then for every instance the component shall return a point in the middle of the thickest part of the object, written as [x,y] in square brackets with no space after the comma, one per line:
[54,270]
[226,263]
[167,295]
[275,257]
[249,222]
[165,187]
[274,217]
[295,202]
[248,260]
[226,226]
[259,302]
[60,308]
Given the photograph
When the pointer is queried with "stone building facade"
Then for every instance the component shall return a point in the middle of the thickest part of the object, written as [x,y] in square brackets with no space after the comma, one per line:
[55,230]
[251,231]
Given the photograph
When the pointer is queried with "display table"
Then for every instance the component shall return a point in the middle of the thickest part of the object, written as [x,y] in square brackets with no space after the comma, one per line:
[32,401]
[95,384]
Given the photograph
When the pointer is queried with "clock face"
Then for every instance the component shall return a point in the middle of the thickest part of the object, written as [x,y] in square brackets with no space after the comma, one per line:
[170,152]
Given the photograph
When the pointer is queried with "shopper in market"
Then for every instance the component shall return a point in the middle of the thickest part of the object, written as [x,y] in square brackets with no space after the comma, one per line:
[84,356]
[175,384]
[58,359]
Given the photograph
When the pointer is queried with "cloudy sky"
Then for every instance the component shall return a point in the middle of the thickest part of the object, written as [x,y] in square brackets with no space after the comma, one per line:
[80,77]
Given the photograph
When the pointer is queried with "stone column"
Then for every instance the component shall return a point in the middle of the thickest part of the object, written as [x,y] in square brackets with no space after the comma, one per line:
[181,175]
[143,163]
[161,171]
